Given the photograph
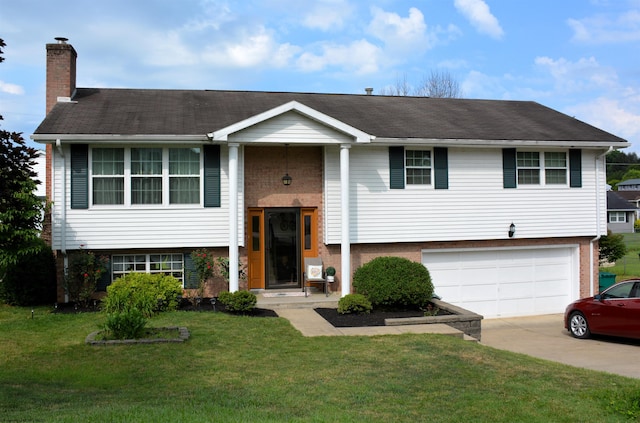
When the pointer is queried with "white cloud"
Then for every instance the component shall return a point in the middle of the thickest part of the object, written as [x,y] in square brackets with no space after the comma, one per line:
[359,56]
[604,29]
[582,75]
[328,15]
[479,15]
[612,115]
[400,33]
[8,88]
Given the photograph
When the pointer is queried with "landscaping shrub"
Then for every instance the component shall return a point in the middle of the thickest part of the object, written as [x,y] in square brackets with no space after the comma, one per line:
[354,303]
[32,280]
[394,282]
[128,324]
[239,301]
[147,293]
[85,270]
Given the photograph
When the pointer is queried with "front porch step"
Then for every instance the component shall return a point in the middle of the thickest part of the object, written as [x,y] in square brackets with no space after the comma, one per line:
[313,300]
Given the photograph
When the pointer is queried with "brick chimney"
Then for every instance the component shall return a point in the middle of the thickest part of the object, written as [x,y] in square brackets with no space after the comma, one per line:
[61,71]
[61,82]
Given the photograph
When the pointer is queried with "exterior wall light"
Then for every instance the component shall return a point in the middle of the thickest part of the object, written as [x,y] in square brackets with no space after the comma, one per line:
[512,230]
[286,179]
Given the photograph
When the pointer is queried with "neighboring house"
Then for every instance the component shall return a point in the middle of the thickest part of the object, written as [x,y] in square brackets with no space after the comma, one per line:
[629,185]
[503,201]
[633,197]
[620,214]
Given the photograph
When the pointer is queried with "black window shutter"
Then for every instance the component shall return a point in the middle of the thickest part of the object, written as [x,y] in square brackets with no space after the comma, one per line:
[190,274]
[441,167]
[211,175]
[575,168]
[509,167]
[396,167]
[105,278]
[79,176]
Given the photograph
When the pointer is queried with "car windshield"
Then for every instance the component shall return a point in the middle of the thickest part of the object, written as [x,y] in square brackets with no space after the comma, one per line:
[620,290]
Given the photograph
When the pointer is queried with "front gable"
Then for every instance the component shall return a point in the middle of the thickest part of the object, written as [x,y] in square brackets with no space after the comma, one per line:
[293,122]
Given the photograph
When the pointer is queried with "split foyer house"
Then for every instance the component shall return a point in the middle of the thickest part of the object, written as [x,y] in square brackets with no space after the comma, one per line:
[502,201]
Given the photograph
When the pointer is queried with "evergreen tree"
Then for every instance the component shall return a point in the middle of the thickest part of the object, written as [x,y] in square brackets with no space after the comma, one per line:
[21,210]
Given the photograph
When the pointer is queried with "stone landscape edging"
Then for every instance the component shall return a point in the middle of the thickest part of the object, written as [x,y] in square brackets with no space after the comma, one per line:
[183,335]
[464,320]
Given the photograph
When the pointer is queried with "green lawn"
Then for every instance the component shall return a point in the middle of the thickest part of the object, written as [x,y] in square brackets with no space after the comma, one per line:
[244,369]
[628,266]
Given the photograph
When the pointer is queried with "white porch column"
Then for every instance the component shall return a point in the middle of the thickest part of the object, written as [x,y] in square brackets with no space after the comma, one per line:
[233,217]
[345,242]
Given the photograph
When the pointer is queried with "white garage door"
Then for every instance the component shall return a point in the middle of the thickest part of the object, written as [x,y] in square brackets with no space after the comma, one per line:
[505,282]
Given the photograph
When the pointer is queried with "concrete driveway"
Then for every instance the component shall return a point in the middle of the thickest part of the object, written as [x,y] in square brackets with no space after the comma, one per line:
[545,337]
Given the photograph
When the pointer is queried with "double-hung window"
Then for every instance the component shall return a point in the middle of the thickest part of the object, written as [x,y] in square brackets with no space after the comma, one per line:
[145,176]
[535,168]
[108,176]
[418,167]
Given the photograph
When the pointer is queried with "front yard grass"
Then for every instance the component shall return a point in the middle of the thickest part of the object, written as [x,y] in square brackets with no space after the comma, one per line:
[239,369]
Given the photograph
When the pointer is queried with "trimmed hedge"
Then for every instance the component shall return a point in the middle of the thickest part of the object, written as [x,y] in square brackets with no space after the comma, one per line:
[148,293]
[239,301]
[354,303]
[394,282]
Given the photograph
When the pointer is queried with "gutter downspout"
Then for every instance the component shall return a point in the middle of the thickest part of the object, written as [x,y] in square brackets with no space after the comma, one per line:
[598,234]
[63,210]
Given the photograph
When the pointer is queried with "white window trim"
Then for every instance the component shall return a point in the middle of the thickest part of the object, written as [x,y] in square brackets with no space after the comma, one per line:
[406,173]
[127,180]
[617,214]
[542,168]
[117,274]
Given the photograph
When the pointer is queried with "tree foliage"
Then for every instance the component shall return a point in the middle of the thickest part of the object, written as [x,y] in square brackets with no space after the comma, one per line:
[21,210]
[621,167]
[612,247]
[438,84]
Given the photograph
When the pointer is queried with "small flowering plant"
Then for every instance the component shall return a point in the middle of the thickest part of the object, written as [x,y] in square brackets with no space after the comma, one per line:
[84,272]
[205,264]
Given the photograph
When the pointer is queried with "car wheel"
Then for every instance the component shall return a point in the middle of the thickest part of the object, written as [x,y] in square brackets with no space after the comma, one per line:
[578,326]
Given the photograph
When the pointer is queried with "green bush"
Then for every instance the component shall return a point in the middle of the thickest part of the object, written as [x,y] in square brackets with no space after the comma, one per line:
[127,324]
[85,270]
[31,280]
[239,301]
[354,303]
[147,293]
[394,282]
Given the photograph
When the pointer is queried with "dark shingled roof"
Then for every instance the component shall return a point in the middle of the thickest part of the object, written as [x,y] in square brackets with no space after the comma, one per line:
[197,112]
[617,202]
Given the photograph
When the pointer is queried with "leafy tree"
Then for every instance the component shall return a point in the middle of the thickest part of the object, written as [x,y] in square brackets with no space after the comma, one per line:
[20,209]
[621,167]
[612,247]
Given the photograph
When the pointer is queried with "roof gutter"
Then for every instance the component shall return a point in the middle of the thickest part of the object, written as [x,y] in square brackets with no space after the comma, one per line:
[457,142]
[117,138]
[598,159]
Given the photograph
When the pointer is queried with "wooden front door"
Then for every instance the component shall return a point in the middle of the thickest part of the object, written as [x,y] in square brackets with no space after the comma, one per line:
[278,241]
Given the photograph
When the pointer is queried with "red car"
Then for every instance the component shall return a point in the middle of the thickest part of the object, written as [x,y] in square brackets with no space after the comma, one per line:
[615,312]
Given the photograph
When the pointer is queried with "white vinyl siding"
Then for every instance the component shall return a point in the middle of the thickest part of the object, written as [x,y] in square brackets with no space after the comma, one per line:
[475,207]
[293,128]
[143,227]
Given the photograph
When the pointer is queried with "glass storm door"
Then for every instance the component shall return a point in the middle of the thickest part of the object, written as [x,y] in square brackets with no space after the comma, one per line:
[282,248]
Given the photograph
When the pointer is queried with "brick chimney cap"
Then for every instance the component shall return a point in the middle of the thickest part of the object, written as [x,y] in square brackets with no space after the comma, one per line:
[61,40]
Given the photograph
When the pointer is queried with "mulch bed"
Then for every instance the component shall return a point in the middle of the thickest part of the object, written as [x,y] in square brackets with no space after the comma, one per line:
[184,305]
[374,318]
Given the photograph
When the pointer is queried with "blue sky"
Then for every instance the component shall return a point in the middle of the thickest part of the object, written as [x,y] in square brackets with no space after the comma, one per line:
[580,57]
